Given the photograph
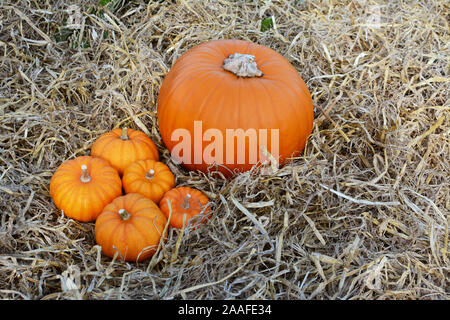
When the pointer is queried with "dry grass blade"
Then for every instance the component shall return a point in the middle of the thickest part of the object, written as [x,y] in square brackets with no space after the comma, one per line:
[203,285]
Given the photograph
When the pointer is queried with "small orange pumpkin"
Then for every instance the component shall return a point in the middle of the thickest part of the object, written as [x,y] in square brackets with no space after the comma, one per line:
[83,186]
[131,224]
[148,177]
[122,147]
[187,202]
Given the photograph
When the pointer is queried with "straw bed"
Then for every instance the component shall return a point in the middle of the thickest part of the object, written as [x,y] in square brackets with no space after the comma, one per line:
[363,213]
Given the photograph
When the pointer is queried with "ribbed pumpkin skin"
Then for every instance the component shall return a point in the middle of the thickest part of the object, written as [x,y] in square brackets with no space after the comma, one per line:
[135,181]
[136,238]
[84,201]
[176,196]
[198,88]
[121,153]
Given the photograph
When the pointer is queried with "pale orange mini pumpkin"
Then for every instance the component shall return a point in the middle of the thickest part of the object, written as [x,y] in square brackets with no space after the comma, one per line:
[148,177]
[122,147]
[131,224]
[83,186]
[185,201]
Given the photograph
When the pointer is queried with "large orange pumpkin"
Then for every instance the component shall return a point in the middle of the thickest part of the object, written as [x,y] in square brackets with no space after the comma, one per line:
[82,187]
[122,147]
[131,224]
[229,85]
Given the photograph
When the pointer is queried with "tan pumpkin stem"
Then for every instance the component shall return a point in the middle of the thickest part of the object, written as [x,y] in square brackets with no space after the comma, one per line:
[124,214]
[124,135]
[242,65]
[185,205]
[150,174]
[85,178]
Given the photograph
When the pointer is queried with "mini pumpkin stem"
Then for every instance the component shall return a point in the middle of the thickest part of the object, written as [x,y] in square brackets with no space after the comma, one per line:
[242,65]
[85,178]
[124,135]
[150,174]
[185,204]
[124,214]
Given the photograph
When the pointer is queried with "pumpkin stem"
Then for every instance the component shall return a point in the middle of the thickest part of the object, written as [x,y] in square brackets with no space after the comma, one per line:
[85,178]
[124,214]
[242,65]
[185,204]
[150,174]
[124,135]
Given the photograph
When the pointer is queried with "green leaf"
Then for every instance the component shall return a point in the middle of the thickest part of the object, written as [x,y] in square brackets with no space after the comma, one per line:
[84,43]
[63,35]
[112,5]
[266,24]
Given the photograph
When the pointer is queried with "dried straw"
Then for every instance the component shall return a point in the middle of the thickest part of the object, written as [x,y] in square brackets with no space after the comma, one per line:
[363,213]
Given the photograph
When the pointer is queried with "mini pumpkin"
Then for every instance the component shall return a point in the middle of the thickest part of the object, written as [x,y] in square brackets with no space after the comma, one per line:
[131,224]
[83,186]
[122,147]
[148,177]
[185,201]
